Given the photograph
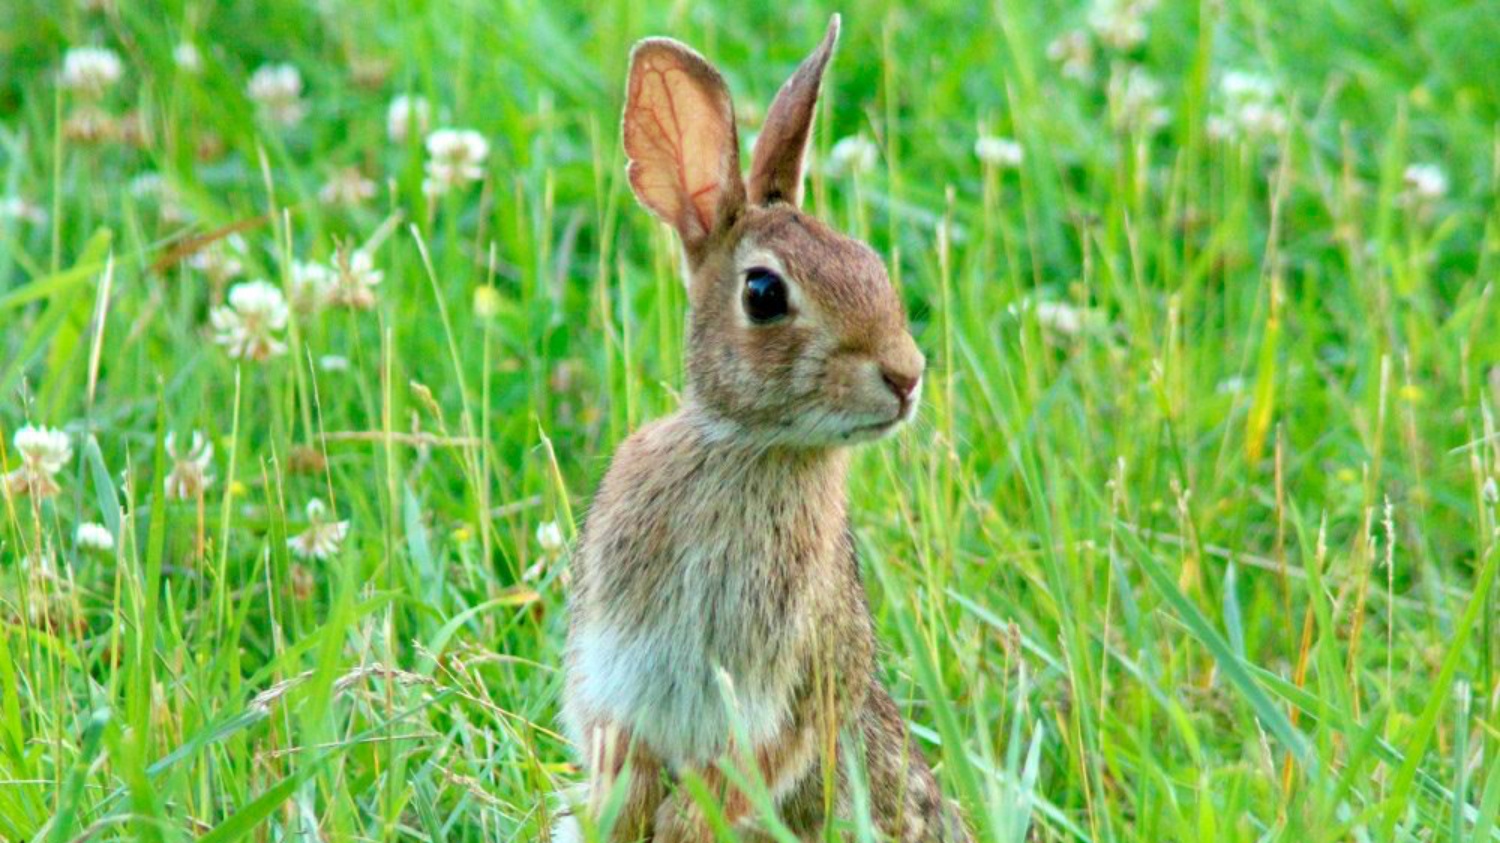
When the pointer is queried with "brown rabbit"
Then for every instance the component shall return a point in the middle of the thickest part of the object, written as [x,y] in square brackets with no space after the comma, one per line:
[717,613]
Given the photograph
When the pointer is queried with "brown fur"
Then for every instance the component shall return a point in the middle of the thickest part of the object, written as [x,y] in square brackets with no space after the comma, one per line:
[717,612]
[776,171]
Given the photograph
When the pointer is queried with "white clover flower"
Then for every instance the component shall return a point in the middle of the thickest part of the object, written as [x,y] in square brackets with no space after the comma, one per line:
[147,186]
[1261,120]
[549,535]
[1240,86]
[190,476]
[1425,183]
[1250,109]
[347,186]
[853,155]
[454,157]
[44,451]
[152,187]
[95,538]
[311,283]
[1061,317]
[90,71]
[17,208]
[277,90]
[1121,23]
[407,116]
[1218,127]
[322,537]
[248,326]
[355,280]
[187,58]
[220,260]
[1004,153]
[1232,385]
[333,363]
[1135,99]
[1074,54]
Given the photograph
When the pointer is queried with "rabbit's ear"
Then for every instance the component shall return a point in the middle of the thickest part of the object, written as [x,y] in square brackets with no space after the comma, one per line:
[776,170]
[680,140]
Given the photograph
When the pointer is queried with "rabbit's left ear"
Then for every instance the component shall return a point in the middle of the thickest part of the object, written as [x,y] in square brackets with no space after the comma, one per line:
[679,136]
[781,150]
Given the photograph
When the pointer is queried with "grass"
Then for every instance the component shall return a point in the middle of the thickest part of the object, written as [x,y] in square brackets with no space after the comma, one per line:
[1214,562]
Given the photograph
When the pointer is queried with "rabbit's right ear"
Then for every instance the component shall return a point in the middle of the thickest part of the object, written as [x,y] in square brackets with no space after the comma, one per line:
[781,149]
[684,156]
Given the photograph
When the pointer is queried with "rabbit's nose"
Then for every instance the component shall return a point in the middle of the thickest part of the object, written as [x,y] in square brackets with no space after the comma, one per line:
[901,365]
[903,384]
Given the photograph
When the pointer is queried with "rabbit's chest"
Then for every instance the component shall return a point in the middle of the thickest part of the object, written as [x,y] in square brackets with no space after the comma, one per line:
[702,579]
[717,651]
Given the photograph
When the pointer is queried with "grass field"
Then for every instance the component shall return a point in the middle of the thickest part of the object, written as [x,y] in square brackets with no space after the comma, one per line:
[1195,538]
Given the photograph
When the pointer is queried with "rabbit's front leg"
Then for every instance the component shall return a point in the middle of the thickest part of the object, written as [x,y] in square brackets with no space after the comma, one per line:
[780,763]
[613,755]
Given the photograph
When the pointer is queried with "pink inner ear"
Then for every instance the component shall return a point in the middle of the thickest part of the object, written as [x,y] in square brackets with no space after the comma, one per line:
[679,136]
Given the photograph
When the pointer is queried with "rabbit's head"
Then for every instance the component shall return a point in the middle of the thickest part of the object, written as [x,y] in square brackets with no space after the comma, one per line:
[796,335]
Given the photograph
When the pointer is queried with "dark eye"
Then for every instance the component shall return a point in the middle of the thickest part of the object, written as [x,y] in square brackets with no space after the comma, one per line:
[765,296]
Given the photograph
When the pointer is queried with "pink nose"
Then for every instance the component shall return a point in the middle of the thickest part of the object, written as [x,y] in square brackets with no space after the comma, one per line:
[903,385]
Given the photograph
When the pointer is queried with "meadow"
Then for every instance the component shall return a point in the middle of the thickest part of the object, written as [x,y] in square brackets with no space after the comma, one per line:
[320,320]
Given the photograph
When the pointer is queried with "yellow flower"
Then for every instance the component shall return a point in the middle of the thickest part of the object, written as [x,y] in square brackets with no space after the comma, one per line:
[486,302]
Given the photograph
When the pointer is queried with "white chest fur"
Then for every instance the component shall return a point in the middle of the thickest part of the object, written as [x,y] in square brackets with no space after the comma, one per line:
[707,662]
[699,578]
[667,692]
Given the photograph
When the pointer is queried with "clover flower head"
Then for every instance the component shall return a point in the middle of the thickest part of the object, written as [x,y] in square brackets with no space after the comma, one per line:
[1249,108]
[187,58]
[311,283]
[549,536]
[95,538]
[1004,153]
[406,116]
[347,186]
[191,473]
[90,71]
[323,536]
[277,90]
[355,279]
[1135,99]
[43,451]
[1121,24]
[1425,182]
[248,327]
[1062,318]
[220,260]
[1073,52]
[454,159]
[853,155]
[19,208]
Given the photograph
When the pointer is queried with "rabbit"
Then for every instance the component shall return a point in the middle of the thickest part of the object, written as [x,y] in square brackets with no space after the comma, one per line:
[716,613]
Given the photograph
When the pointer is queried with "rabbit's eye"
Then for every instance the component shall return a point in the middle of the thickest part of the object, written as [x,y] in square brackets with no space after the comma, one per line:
[765,296]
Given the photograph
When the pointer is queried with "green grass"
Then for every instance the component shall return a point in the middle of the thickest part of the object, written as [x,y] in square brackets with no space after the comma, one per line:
[1220,566]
